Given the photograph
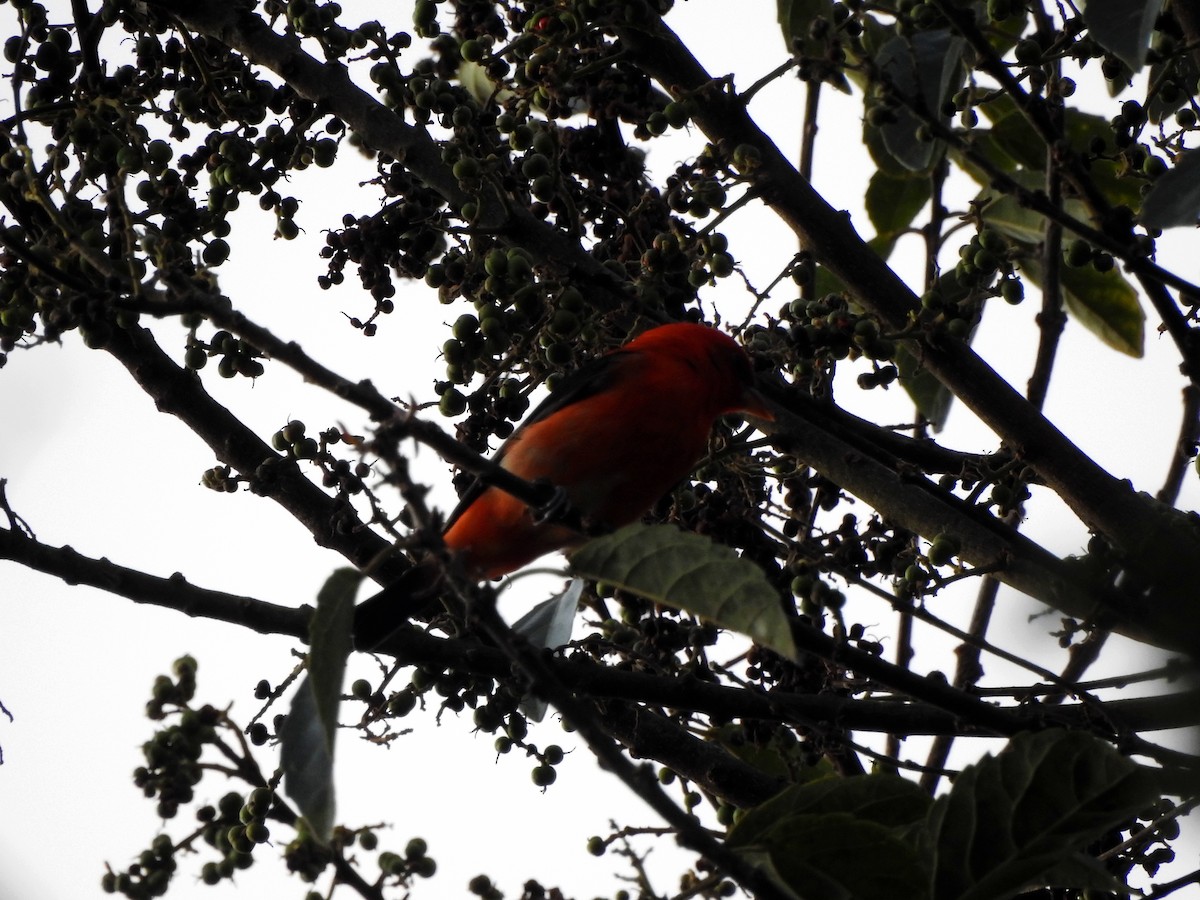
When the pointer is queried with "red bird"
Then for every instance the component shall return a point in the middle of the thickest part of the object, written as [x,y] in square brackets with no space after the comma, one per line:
[616,436]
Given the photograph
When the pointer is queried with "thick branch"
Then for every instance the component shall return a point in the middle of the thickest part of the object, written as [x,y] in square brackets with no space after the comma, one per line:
[907,498]
[1148,535]
[171,593]
[841,448]
[333,523]
[329,84]
[1155,540]
[938,708]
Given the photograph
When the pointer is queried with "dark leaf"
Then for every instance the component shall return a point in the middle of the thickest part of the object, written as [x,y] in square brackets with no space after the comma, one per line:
[840,838]
[1011,819]
[795,19]
[887,800]
[893,202]
[932,398]
[1012,143]
[782,755]
[689,572]
[1174,199]
[1123,27]
[307,736]
[1006,214]
[1180,69]
[926,67]
[1103,302]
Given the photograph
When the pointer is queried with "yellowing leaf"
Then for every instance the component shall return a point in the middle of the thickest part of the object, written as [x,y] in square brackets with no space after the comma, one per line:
[1103,302]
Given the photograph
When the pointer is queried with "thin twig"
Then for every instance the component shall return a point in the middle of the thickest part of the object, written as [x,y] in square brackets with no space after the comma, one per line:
[1185,446]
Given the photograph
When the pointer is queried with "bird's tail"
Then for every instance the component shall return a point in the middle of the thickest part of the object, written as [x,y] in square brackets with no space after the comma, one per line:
[412,595]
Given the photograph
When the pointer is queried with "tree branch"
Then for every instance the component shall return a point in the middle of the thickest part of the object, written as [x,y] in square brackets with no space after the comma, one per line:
[174,592]
[938,708]
[332,521]
[1155,540]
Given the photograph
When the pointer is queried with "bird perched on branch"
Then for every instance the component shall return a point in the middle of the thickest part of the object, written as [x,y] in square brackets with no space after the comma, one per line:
[614,437]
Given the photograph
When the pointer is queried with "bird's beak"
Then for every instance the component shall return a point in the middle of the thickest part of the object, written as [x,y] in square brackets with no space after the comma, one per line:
[755,404]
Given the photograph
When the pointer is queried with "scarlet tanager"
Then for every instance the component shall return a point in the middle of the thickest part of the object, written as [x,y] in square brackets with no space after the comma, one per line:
[615,436]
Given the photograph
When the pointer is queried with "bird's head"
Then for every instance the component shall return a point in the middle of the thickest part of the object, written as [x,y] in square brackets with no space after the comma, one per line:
[720,364]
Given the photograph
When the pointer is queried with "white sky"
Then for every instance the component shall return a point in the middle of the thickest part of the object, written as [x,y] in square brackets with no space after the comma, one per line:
[91,463]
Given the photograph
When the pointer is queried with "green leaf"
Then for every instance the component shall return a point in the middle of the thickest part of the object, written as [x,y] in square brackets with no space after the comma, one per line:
[1014,134]
[689,572]
[330,638]
[926,66]
[840,838]
[783,755]
[1103,302]
[548,626]
[1123,27]
[874,35]
[985,145]
[1023,816]
[839,857]
[1112,178]
[479,84]
[1005,213]
[1175,197]
[1012,143]
[887,800]
[877,146]
[931,398]
[893,202]
[306,755]
[795,19]
[307,735]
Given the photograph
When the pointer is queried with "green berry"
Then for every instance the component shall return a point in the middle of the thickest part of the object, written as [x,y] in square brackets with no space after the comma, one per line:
[472,50]
[1028,52]
[677,113]
[195,358]
[943,549]
[453,403]
[467,169]
[1079,253]
[216,252]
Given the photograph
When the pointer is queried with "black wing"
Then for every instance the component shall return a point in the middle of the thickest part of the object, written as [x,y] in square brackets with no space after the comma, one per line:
[590,379]
[414,593]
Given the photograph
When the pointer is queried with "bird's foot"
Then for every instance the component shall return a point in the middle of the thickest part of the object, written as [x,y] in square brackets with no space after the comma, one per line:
[553,508]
